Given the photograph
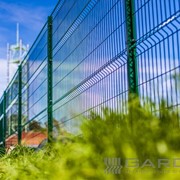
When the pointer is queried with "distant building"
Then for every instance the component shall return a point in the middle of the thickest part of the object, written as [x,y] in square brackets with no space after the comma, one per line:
[15,55]
[30,139]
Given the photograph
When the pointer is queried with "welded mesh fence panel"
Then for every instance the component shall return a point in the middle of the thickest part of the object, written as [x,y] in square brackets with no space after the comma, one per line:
[158,51]
[34,89]
[89,56]
[11,110]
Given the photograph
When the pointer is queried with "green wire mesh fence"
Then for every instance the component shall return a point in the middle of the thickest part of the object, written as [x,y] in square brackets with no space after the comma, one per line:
[89,55]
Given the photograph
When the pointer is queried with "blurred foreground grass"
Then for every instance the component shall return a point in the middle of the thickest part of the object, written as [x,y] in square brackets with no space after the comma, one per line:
[94,155]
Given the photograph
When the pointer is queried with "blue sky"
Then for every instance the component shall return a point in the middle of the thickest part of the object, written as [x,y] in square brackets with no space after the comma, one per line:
[31,16]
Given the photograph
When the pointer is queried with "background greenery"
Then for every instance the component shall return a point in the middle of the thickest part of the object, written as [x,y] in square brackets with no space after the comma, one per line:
[138,134]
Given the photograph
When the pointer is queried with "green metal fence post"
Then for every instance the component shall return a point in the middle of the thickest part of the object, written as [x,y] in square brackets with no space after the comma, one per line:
[4,119]
[49,94]
[1,122]
[131,47]
[1,132]
[2,148]
[20,105]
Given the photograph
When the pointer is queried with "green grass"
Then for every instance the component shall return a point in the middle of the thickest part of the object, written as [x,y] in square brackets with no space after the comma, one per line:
[138,134]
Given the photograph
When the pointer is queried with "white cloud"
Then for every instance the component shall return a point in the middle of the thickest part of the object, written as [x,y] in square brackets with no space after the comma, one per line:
[31,18]
[2,50]
[3,74]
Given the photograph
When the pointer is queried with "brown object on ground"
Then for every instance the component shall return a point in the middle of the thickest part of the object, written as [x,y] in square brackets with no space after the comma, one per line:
[31,139]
